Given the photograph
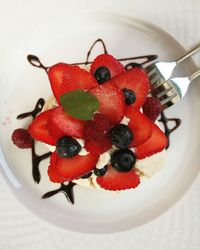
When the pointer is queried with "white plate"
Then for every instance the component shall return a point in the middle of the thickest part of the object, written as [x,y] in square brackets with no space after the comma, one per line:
[68,39]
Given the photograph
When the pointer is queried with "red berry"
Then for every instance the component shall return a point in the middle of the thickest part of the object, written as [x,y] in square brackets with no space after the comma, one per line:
[60,124]
[155,144]
[108,61]
[111,99]
[21,138]
[99,146]
[136,80]
[38,129]
[65,78]
[52,173]
[140,126]
[97,128]
[56,74]
[152,108]
[114,180]
[75,167]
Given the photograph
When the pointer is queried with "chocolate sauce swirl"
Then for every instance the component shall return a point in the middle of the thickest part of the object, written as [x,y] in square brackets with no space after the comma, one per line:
[35,61]
[168,130]
[66,189]
[36,159]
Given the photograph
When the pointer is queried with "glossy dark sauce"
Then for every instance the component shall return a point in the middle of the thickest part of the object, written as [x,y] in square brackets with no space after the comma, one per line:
[67,189]
[168,131]
[35,61]
[36,159]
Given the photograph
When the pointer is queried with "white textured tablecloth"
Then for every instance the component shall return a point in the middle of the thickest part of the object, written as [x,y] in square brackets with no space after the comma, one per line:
[179,227]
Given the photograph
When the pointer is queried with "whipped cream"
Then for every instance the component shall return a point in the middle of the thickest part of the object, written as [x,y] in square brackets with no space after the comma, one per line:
[103,160]
[125,120]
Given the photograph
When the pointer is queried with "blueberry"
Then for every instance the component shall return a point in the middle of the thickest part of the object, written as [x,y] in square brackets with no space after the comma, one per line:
[67,147]
[101,171]
[86,176]
[123,160]
[130,97]
[102,74]
[121,136]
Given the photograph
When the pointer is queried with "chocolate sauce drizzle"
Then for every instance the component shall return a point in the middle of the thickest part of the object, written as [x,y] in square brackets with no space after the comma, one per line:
[35,61]
[36,159]
[67,189]
[168,130]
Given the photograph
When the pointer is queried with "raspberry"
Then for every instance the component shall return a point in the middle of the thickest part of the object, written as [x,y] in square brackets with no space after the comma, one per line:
[21,138]
[97,128]
[152,108]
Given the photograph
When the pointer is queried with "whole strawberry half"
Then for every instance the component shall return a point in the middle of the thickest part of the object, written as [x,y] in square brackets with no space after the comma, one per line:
[60,124]
[136,80]
[38,129]
[111,99]
[52,173]
[75,167]
[109,62]
[140,126]
[155,144]
[64,78]
[114,180]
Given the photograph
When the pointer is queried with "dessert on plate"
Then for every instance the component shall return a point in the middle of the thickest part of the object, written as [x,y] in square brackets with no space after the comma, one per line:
[100,125]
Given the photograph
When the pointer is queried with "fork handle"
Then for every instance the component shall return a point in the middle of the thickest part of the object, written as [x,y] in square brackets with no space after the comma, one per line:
[194,75]
[188,54]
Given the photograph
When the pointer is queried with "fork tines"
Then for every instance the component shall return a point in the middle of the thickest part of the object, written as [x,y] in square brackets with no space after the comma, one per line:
[166,93]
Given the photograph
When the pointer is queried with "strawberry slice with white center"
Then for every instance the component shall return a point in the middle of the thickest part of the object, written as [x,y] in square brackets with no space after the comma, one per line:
[114,180]
[140,126]
[136,80]
[38,129]
[111,99]
[108,61]
[64,78]
[52,173]
[75,167]
[155,144]
[60,124]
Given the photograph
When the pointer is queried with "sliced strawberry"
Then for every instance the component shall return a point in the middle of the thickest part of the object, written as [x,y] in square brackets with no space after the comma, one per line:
[99,146]
[77,78]
[56,74]
[114,180]
[60,124]
[108,61]
[111,99]
[65,78]
[38,129]
[155,144]
[75,167]
[140,125]
[136,80]
[52,173]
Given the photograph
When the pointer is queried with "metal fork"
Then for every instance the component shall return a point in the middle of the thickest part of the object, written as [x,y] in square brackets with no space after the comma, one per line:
[172,90]
[161,71]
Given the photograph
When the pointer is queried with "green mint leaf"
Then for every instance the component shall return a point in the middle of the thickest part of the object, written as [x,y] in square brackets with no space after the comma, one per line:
[79,104]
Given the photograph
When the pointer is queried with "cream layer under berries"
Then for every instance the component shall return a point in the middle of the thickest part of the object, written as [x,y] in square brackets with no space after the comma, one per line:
[90,107]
